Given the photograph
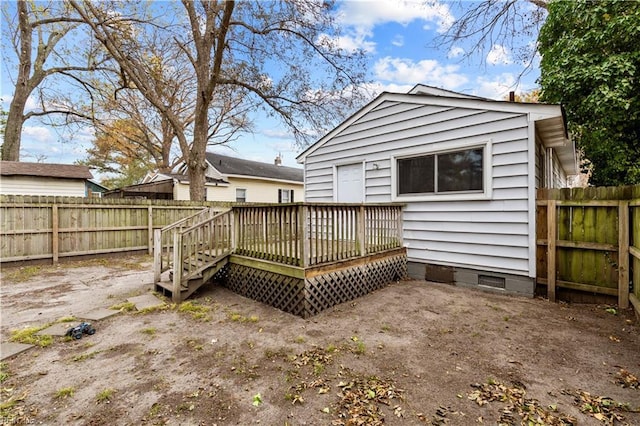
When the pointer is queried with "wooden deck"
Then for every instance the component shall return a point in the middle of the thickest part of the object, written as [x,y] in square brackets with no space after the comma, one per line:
[300,257]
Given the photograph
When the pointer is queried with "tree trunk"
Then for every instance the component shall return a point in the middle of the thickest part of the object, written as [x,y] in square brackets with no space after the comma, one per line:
[13,130]
[15,118]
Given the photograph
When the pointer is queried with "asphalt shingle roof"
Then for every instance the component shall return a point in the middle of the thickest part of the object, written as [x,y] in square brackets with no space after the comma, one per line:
[68,171]
[238,166]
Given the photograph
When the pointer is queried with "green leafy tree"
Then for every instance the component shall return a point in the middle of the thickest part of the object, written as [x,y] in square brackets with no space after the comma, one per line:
[591,64]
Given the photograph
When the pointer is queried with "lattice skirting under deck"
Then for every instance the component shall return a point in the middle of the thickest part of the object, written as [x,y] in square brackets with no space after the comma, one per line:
[307,297]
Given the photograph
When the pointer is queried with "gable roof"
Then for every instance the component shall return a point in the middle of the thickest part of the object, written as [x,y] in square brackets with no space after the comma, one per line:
[231,166]
[547,116]
[65,171]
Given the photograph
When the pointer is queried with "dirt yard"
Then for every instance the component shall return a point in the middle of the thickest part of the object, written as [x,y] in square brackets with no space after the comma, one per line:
[412,353]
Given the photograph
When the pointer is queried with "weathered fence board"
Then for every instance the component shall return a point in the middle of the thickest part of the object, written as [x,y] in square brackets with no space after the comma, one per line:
[53,227]
[588,239]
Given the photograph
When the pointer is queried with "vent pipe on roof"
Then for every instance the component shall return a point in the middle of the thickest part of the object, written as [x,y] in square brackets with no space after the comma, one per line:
[512,96]
[278,160]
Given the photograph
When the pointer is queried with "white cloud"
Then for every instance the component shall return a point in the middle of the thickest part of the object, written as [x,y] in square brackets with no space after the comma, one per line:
[455,52]
[398,41]
[350,43]
[368,14]
[427,71]
[358,18]
[38,133]
[496,87]
[499,55]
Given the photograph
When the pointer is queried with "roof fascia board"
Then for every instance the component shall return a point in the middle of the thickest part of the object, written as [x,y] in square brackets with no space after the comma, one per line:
[534,111]
[295,182]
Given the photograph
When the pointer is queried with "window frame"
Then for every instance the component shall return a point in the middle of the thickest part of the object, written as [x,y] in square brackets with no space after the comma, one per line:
[281,191]
[245,195]
[485,194]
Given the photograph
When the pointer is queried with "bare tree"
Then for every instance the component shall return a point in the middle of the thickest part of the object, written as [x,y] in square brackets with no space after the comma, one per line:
[279,54]
[37,31]
[511,24]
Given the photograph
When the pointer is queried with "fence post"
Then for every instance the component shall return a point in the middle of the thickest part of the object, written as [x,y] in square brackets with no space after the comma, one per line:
[623,254]
[177,266]
[157,255]
[55,235]
[150,228]
[551,250]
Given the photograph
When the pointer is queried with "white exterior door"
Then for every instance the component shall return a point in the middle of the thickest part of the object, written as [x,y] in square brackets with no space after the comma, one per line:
[350,183]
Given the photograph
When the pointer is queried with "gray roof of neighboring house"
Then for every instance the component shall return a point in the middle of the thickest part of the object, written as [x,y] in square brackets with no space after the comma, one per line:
[240,167]
[67,171]
[185,178]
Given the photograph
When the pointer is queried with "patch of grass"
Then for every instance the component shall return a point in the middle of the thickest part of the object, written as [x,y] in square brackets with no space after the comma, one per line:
[385,328]
[196,311]
[332,348]
[124,307]
[151,331]
[69,318]
[22,274]
[360,348]
[195,344]
[300,339]
[85,356]
[4,372]
[505,318]
[28,335]
[238,317]
[105,395]
[67,392]
[155,409]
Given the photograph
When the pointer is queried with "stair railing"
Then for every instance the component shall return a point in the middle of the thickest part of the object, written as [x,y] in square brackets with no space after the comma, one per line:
[163,240]
[201,246]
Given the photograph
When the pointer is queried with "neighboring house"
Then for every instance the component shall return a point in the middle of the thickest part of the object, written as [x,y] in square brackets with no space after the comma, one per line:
[94,189]
[19,178]
[467,169]
[227,179]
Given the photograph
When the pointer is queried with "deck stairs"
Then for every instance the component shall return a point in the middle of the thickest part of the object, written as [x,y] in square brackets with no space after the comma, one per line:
[201,244]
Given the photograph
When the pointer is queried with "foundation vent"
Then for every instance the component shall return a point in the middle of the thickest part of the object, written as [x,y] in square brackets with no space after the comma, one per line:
[489,281]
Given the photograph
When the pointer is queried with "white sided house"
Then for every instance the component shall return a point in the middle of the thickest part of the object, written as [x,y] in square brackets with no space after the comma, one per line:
[230,179]
[466,168]
[66,180]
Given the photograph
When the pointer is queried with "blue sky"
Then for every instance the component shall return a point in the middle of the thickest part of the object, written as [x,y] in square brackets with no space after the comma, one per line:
[396,35]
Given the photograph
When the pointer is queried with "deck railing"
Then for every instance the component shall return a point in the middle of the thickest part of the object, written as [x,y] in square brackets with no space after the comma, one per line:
[163,239]
[306,234]
[202,244]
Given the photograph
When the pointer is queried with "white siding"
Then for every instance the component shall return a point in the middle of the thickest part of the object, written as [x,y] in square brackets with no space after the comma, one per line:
[31,185]
[483,234]
[258,190]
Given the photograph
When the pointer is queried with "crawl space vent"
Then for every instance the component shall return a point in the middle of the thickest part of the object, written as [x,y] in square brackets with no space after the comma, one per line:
[489,281]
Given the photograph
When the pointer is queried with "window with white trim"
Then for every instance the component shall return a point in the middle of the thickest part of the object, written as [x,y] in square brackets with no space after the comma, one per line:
[450,172]
[241,195]
[285,195]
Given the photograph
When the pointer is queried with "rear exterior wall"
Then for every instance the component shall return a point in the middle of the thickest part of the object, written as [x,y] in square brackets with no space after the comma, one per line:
[489,234]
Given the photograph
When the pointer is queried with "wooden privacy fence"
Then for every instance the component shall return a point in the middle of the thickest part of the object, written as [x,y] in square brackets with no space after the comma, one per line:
[588,239]
[33,227]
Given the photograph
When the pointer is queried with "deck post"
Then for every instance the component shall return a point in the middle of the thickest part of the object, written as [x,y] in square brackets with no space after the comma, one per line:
[360,231]
[304,237]
[157,255]
[234,223]
[177,266]
[623,254]
[400,234]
